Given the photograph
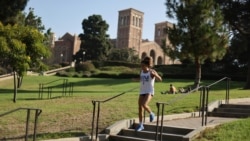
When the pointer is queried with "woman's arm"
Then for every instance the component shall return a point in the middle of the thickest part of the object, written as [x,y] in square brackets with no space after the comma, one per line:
[156,75]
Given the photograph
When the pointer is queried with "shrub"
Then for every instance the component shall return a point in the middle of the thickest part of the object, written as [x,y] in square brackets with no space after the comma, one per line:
[2,71]
[86,66]
[128,75]
[99,64]
[105,75]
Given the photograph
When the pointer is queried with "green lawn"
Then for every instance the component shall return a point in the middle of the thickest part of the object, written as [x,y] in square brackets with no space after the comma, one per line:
[234,131]
[73,114]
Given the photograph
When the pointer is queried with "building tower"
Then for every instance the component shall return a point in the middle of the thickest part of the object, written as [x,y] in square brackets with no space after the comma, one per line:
[129,32]
[160,33]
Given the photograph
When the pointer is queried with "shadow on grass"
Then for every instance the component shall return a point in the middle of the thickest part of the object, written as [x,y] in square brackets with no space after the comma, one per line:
[60,135]
[45,136]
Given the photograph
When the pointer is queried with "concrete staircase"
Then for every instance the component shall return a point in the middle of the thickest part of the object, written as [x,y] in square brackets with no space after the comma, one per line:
[231,110]
[148,134]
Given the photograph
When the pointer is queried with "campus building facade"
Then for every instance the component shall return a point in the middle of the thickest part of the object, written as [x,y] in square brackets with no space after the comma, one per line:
[129,35]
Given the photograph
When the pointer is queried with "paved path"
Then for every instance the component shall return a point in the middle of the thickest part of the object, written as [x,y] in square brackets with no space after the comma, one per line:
[193,123]
[197,122]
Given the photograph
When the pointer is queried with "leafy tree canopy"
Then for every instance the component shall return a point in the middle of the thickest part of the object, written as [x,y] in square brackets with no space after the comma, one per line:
[126,55]
[94,40]
[9,9]
[237,13]
[200,33]
[22,47]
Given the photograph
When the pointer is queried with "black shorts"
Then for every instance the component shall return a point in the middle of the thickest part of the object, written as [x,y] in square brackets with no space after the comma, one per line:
[145,95]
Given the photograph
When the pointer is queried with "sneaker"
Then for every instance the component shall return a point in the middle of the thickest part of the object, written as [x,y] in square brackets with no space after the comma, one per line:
[139,128]
[151,117]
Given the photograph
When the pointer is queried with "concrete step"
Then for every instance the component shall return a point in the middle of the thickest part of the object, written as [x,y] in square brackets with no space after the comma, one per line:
[229,114]
[232,110]
[126,138]
[150,135]
[167,129]
[169,133]
[235,106]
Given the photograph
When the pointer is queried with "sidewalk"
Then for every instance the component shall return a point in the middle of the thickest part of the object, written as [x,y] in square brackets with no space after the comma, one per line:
[196,122]
[188,120]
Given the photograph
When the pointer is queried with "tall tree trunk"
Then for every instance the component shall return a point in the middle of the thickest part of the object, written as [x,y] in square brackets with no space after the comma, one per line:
[197,74]
[247,86]
[15,87]
[19,81]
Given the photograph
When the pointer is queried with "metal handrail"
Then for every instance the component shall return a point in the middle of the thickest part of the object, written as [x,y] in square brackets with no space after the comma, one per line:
[162,111]
[227,87]
[204,95]
[98,112]
[37,113]
[64,88]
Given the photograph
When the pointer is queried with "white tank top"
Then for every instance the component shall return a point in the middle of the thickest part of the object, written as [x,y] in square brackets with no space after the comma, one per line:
[147,83]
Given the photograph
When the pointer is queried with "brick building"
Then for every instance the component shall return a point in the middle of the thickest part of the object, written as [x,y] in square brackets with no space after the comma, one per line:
[64,48]
[129,35]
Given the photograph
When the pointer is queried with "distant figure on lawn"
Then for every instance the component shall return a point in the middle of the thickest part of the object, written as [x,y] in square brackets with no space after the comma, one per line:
[172,90]
[182,90]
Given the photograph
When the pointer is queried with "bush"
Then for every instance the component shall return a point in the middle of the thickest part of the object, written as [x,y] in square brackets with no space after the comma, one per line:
[86,66]
[105,75]
[99,64]
[2,71]
[128,75]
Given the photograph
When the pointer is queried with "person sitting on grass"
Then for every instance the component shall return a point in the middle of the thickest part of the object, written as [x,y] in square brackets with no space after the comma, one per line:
[172,90]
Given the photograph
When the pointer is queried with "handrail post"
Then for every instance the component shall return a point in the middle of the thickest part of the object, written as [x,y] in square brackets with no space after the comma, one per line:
[42,90]
[162,118]
[157,121]
[35,124]
[93,119]
[207,93]
[97,120]
[27,124]
[203,106]
[201,94]
[66,87]
[39,91]
[71,89]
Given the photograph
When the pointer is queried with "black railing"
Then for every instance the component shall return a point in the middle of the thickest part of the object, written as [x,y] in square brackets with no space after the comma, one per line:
[65,84]
[227,87]
[37,113]
[204,96]
[161,105]
[98,104]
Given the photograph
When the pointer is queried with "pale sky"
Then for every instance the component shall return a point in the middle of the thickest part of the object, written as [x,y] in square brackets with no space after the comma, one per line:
[67,15]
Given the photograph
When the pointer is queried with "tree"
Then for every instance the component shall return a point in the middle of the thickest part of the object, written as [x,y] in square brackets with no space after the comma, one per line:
[237,13]
[169,50]
[199,33]
[125,54]
[238,48]
[94,40]
[22,47]
[9,9]
[34,21]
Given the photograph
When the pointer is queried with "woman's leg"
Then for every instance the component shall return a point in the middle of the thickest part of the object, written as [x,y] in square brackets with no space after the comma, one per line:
[140,108]
[145,101]
[143,105]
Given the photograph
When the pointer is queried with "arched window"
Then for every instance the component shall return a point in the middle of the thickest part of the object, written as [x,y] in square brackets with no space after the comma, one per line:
[143,55]
[152,54]
[159,60]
